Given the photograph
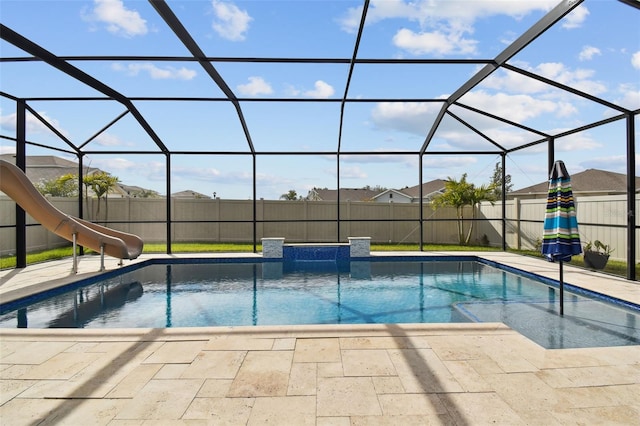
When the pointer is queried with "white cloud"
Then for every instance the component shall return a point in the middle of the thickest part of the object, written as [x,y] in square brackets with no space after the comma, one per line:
[130,172]
[115,164]
[588,52]
[429,11]
[410,117]
[119,20]
[33,125]
[575,18]
[107,139]
[635,60]
[630,96]
[433,42]
[576,142]
[579,78]
[322,90]
[442,26]
[156,73]
[7,149]
[446,162]
[198,173]
[350,172]
[617,163]
[230,22]
[255,86]
[518,108]
[373,158]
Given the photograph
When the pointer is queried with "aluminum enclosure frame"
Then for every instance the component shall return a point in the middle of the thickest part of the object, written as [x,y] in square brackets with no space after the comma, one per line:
[63,64]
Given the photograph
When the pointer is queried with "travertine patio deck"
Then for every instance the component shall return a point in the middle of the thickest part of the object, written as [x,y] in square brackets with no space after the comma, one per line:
[462,374]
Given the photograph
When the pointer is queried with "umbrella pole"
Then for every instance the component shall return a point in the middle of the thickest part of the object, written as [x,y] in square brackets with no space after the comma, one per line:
[561,289]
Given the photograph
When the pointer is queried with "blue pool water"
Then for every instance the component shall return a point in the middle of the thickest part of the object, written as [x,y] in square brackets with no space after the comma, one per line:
[277,293]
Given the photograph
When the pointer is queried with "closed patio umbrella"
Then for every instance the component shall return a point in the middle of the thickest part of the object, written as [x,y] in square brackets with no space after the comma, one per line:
[561,239]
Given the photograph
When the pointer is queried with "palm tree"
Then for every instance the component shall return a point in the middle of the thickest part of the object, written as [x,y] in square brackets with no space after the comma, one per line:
[478,195]
[456,194]
[100,183]
[460,194]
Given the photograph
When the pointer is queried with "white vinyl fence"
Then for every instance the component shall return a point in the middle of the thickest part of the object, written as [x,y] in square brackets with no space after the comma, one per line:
[207,220]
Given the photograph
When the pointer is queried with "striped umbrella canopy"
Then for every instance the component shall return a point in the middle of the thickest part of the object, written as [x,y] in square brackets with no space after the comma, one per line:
[561,239]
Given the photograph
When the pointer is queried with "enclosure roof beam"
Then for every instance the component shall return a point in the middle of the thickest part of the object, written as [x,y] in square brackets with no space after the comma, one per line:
[34,49]
[566,88]
[520,43]
[502,119]
[351,66]
[476,131]
[185,37]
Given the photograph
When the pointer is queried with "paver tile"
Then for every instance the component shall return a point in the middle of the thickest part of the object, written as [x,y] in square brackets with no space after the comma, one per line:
[601,396]
[479,409]
[263,373]
[291,410]
[220,411]
[601,376]
[303,378]
[284,344]
[62,366]
[215,365]
[333,421]
[317,350]
[387,384]
[618,415]
[215,388]
[420,371]
[347,396]
[404,420]
[25,412]
[411,404]
[233,343]
[456,347]
[133,382]
[161,399]
[9,388]
[170,371]
[176,352]
[367,362]
[467,376]
[376,342]
[33,352]
[330,369]
[526,392]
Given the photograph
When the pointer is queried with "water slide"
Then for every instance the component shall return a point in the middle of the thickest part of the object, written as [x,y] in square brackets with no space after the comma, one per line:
[101,239]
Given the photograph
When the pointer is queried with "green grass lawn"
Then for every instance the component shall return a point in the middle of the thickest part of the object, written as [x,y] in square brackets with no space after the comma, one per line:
[613,267]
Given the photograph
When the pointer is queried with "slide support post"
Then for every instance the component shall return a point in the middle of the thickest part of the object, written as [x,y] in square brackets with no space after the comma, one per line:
[74,267]
[102,257]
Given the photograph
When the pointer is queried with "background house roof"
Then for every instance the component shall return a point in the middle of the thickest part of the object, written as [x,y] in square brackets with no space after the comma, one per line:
[591,180]
[429,189]
[346,194]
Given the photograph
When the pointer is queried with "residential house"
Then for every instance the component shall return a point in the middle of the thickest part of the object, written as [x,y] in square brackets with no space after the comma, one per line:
[189,194]
[346,194]
[590,182]
[412,194]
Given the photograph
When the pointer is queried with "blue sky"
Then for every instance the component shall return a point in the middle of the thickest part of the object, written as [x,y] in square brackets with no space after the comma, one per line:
[595,49]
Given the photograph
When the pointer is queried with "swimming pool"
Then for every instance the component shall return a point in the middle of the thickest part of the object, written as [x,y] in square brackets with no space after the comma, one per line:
[231,292]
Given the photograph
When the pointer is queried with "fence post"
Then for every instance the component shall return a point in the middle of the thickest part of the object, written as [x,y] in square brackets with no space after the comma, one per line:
[517,207]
